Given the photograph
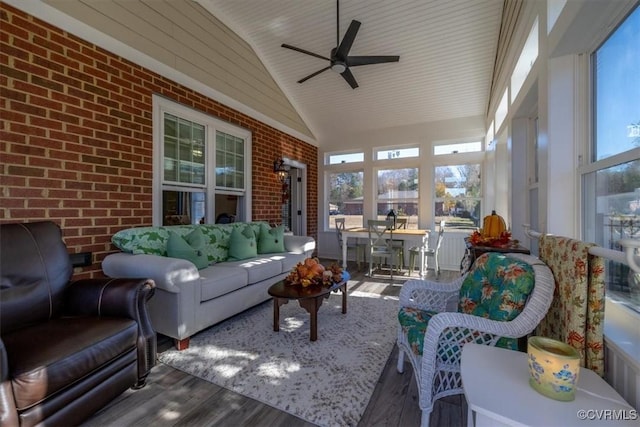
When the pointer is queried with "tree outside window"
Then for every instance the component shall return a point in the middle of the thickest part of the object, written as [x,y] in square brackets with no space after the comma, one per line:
[458,195]
[346,198]
[398,190]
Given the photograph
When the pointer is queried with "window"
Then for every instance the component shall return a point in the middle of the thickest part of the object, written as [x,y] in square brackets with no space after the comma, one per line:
[336,159]
[398,190]
[526,60]
[397,153]
[534,175]
[458,147]
[616,71]
[611,181]
[458,195]
[201,166]
[489,137]
[345,198]
[229,162]
[183,151]
[501,112]
[554,8]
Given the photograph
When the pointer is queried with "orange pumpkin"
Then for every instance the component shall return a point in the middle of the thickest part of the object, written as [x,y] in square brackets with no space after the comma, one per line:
[317,269]
[310,262]
[493,225]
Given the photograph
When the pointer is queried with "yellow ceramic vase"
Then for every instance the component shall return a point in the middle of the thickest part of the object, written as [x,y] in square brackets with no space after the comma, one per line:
[553,368]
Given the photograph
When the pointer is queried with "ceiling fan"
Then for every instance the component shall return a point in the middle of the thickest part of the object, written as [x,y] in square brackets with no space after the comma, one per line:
[340,61]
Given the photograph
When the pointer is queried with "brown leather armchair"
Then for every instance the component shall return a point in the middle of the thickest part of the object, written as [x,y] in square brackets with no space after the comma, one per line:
[66,348]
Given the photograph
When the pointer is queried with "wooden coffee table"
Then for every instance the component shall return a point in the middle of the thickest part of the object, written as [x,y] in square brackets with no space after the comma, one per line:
[309,298]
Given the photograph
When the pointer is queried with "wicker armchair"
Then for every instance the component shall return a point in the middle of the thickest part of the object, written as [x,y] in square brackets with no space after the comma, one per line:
[433,343]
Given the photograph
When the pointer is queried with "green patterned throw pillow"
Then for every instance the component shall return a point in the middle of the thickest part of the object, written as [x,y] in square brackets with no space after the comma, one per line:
[271,240]
[242,244]
[142,240]
[189,247]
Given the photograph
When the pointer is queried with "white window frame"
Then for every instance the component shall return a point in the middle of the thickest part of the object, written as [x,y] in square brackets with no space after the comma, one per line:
[454,143]
[379,150]
[591,165]
[212,124]
[327,157]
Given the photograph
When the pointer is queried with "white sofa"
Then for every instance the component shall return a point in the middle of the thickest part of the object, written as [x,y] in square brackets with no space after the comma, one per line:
[188,300]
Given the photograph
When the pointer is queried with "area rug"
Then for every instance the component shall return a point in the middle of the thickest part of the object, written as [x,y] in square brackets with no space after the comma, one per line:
[327,382]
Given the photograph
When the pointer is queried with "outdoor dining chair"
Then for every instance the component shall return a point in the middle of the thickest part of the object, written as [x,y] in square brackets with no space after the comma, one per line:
[381,243]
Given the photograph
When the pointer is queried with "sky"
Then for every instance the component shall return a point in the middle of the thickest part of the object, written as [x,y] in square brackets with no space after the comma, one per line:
[618,89]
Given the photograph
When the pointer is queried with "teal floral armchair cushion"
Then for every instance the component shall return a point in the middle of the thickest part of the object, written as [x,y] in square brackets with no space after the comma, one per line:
[496,288]
[414,322]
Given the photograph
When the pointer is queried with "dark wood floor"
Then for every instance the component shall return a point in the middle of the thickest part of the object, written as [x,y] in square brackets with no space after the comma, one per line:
[174,398]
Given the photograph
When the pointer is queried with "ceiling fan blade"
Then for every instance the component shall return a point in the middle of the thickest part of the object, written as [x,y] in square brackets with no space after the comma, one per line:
[347,40]
[354,61]
[346,74]
[297,49]
[313,75]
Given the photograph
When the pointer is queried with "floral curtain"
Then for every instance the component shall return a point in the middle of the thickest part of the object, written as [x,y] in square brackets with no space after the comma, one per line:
[576,315]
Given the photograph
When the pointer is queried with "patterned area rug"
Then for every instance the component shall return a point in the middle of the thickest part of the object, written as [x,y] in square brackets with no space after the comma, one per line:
[327,382]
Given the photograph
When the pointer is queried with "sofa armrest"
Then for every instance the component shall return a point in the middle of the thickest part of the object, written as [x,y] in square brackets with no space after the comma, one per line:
[167,273]
[108,297]
[299,244]
[8,411]
[118,298]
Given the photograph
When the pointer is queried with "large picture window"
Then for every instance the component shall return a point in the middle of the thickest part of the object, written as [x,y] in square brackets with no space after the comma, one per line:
[201,167]
[458,195]
[398,190]
[611,181]
[345,198]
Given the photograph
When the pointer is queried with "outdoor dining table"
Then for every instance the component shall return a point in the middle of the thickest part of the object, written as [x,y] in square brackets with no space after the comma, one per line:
[419,237]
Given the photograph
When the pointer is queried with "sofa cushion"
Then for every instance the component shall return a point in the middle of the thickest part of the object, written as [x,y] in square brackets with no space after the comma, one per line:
[67,349]
[271,240]
[221,279]
[258,269]
[189,247]
[242,244]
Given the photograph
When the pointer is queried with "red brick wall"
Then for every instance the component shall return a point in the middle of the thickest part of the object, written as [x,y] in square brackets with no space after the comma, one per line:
[76,138]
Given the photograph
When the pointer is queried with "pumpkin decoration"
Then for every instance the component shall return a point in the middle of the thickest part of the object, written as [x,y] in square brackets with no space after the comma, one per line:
[310,272]
[493,225]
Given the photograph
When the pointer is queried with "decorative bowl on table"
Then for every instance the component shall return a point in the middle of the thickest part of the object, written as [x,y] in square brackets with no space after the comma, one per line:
[310,272]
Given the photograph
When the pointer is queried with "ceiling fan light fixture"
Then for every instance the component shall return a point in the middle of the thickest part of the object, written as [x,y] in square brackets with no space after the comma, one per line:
[338,67]
[340,60]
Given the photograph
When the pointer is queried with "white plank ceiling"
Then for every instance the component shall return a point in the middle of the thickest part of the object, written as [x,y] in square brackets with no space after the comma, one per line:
[447,50]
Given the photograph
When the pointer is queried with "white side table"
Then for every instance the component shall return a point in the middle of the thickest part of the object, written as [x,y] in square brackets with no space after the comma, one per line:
[496,386]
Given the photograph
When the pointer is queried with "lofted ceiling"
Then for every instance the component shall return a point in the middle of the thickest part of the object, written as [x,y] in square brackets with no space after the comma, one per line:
[447,51]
